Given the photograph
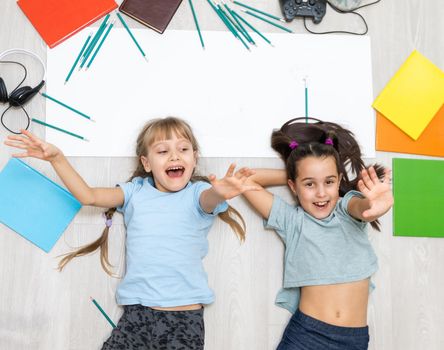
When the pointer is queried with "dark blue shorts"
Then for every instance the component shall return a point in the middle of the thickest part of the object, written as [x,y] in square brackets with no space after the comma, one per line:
[307,333]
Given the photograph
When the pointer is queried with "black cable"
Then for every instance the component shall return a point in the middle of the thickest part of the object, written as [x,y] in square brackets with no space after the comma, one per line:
[344,11]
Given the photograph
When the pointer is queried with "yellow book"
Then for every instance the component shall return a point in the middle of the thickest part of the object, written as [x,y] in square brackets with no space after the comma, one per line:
[413,96]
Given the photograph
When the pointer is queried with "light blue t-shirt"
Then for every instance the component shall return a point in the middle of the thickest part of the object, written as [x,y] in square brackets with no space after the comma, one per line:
[332,250]
[166,242]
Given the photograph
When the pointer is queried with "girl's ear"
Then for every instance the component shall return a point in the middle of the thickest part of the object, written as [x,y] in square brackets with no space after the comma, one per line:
[145,163]
[292,186]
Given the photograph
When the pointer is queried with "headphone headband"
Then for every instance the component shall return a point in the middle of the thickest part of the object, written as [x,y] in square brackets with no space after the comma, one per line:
[25,52]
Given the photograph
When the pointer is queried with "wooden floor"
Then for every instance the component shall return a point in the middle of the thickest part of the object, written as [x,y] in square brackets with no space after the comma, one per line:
[42,309]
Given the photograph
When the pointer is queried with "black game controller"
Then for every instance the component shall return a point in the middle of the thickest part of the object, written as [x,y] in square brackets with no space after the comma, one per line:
[304,8]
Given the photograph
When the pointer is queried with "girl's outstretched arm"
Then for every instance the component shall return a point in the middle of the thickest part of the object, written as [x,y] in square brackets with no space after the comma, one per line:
[378,196]
[230,186]
[262,200]
[37,148]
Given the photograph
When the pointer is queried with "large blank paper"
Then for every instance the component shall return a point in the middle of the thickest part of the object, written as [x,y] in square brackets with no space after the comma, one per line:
[419,197]
[233,98]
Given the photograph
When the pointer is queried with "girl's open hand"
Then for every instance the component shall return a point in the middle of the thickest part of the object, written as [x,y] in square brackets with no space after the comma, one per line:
[233,184]
[378,193]
[32,146]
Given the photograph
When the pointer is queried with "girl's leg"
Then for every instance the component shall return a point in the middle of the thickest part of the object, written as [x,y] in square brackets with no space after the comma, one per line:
[132,332]
[178,330]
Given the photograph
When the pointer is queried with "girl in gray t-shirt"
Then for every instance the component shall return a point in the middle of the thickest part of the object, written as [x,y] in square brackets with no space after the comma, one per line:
[328,259]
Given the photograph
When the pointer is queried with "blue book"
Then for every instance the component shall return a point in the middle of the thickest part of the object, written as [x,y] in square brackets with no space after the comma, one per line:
[34,206]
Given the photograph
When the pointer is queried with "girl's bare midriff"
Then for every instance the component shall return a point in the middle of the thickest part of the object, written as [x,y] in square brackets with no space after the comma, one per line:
[178,308]
[342,304]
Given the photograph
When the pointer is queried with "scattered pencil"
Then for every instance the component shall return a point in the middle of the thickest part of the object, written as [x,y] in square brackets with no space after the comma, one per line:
[94,41]
[259,11]
[266,20]
[103,312]
[78,57]
[66,106]
[132,36]
[251,27]
[306,99]
[242,29]
[101,43]
[58,129]
[197,24]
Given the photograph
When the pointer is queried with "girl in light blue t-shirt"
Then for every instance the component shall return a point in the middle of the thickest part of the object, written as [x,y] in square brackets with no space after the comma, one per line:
[328,260]
[168,212]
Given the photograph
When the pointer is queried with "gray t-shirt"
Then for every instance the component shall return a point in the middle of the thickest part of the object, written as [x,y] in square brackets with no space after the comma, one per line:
[332,250]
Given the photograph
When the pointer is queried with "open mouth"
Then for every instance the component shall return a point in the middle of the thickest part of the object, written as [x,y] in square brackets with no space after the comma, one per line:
[321,205]
[175,171]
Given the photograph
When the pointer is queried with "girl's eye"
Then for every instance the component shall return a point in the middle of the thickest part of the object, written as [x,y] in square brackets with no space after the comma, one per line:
[184,149]
[309,184]
[330,182]
[162,152]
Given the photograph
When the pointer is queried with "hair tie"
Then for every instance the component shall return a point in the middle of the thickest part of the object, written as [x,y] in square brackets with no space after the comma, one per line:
[293,144]
[329,141]
[108,222]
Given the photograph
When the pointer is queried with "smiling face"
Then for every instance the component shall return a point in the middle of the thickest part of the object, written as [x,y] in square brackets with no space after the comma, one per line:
[317,185]
[171,161]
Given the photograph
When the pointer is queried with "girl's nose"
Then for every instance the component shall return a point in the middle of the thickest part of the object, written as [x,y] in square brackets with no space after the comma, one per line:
[320,191]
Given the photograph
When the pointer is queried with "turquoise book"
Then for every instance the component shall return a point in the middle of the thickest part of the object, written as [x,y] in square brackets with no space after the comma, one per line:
[33,205]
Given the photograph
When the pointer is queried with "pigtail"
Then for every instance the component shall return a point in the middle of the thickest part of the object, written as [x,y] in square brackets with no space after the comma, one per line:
[101,242]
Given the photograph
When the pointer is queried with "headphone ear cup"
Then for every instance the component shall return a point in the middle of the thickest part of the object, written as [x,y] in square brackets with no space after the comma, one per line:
[23,94]
[3,92]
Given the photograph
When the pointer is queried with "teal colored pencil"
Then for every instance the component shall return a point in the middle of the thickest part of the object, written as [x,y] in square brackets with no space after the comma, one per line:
[101,43]
[58,129]
[242,29]
[252,28]
[66,106]
[266,20]
[222,18]
[233,26]
[103,312]
[94,41]
[131,35]
[306,100]
[78,57]
[259,11]
[197,24]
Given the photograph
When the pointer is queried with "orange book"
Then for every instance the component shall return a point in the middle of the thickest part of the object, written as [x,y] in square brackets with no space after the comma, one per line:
[57,20]
[390,138]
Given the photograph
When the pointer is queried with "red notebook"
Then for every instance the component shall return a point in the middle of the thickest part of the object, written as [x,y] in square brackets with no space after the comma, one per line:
[57,20]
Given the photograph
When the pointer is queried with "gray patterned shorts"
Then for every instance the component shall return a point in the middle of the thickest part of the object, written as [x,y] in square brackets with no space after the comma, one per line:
[143,328]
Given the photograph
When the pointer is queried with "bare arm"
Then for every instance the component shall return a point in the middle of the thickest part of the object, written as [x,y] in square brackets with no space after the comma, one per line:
[261,199]
[269,177]
[378,196]
[37,148]
[230,186]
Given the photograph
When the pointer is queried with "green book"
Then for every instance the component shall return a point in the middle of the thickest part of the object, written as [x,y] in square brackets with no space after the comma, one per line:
[418,188]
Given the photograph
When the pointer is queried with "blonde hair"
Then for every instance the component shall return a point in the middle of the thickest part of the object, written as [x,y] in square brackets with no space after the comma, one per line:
[154,130]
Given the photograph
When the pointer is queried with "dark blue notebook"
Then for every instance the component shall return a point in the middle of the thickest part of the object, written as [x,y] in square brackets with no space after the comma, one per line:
[34,206]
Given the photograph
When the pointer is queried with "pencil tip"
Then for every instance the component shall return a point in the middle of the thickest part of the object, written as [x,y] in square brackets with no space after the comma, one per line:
[92,120]
[91,297]
[146,59]
[84,139]
[65,82]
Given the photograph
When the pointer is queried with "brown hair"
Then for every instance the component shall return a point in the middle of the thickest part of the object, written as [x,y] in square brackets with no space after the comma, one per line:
[311,141]
[155,130]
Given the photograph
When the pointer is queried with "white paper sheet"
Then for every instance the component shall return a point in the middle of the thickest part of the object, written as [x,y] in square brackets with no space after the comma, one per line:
[233,98]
